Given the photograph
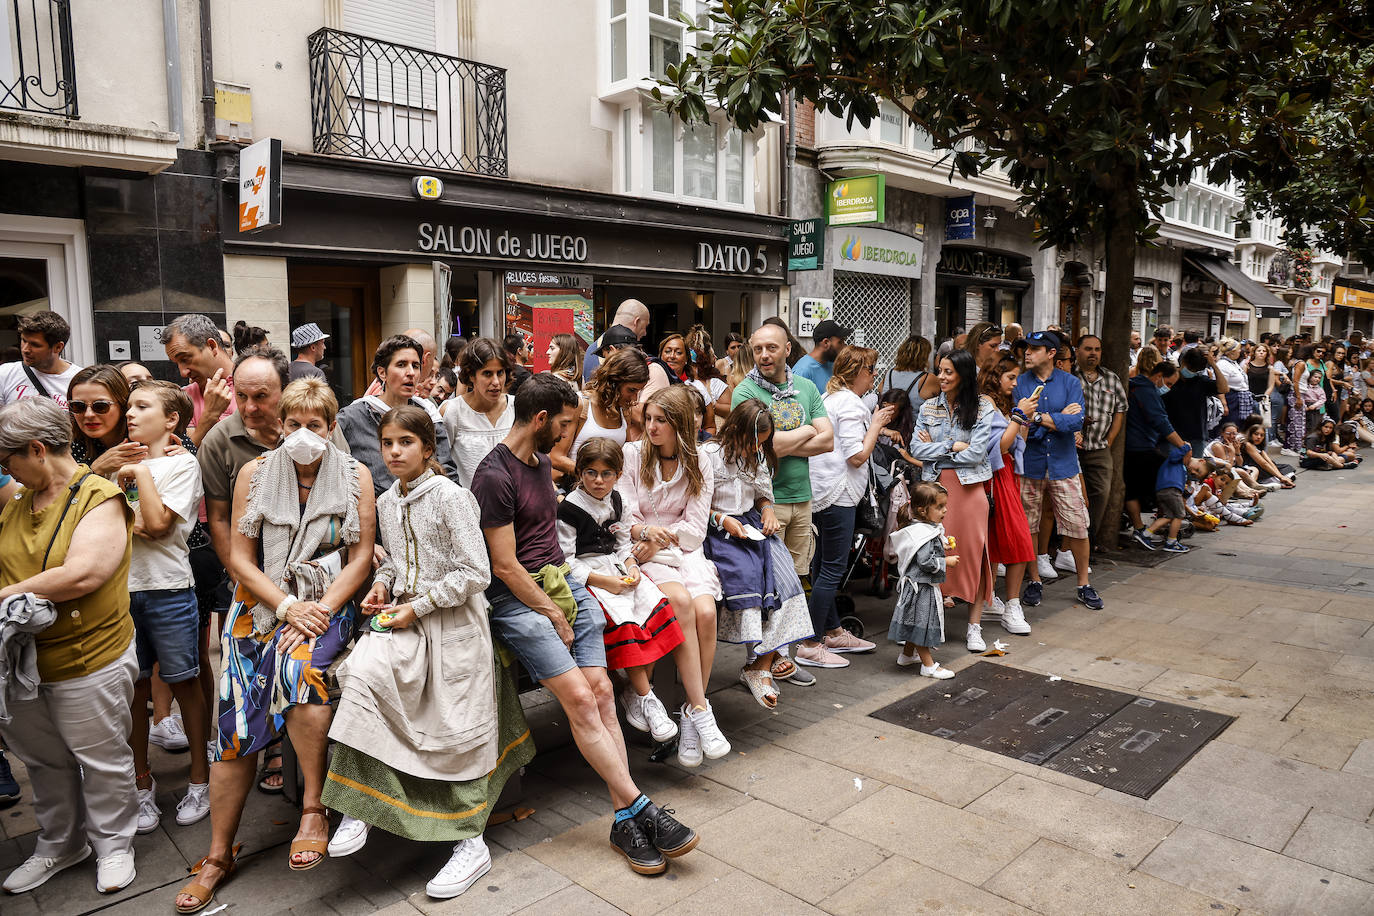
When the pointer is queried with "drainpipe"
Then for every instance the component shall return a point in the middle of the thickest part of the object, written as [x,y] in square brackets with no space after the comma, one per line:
[791,154]
[207,74]
[171,47]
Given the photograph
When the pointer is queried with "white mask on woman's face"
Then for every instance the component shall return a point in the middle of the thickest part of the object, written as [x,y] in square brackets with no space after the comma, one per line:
[304,447]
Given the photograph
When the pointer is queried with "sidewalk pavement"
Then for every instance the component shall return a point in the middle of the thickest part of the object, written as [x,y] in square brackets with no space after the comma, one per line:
[824,809]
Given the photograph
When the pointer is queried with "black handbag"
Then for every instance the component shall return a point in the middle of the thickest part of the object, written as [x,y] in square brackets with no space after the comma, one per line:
[871,513]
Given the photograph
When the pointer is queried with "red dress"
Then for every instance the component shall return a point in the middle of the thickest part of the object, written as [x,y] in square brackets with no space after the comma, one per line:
[1009,534]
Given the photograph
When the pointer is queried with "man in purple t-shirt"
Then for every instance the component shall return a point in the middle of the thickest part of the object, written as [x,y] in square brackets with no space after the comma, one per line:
[532,600]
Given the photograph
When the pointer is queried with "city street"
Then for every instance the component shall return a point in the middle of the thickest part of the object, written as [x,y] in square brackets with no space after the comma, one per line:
[825,809]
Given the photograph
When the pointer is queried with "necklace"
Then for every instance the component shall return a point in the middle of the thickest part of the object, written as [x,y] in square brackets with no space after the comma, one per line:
[304,486]
[672,457]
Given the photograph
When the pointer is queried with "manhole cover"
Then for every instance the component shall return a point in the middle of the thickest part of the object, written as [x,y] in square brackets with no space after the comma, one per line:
[1109,737]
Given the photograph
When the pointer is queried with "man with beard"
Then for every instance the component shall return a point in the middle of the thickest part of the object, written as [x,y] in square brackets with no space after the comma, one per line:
[551,622]
[819,364]
[1105,400]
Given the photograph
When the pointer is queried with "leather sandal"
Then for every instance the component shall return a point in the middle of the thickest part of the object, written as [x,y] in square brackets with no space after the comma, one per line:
[760,684]
[316,846]
[205,895]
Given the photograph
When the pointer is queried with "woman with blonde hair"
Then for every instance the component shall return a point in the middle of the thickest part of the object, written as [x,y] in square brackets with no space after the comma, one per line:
[667,498]
[1145,361]
[911,372]
[741,364]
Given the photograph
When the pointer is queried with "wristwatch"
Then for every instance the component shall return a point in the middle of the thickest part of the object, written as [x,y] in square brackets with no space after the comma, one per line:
[1037,418]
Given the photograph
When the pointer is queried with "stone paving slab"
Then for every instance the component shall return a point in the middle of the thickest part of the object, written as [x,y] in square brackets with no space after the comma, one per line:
[900,885]
[1335,842]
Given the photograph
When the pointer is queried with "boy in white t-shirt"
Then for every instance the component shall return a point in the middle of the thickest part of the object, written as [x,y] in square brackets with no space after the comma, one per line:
[165,491]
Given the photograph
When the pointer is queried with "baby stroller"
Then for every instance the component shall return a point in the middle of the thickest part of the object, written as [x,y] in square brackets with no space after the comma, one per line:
[890,478]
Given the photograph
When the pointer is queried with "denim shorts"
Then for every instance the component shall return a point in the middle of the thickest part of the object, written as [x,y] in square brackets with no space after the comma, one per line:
[531,636]
[167,631]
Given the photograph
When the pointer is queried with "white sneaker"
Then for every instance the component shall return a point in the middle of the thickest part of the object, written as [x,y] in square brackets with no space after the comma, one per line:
[349,838]
[1288,453]
[634,710]
[975,638]
[935,671]
[1014,619]
[713,743]
[688,741]
[1063,560]
[114,872]
[195,806]
[906,661]
[993,608]
[1046,568]
[38,869]
[149,814]
[169,734]
[1002,570]
[470,860]
[661,725]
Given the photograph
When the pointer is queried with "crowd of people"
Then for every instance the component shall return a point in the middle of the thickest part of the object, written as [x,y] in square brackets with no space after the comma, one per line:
[373,571]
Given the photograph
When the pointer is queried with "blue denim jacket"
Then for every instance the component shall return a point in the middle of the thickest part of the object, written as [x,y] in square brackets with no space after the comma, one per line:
[973,464]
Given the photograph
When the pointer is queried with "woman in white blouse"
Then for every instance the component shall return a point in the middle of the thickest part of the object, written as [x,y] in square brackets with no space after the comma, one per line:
[481,416]
[838,481]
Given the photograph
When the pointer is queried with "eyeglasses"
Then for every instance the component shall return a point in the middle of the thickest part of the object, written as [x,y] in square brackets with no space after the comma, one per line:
[100,408]
[600,475]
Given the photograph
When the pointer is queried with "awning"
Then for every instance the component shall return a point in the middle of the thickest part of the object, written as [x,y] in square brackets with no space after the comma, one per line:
[1266,304]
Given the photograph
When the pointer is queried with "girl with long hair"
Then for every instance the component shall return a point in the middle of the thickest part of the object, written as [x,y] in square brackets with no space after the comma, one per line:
[1009,541]
[708,378]
[910,372]
[668,497]
[764,605]
[612,392]
[565,359]
[954,444]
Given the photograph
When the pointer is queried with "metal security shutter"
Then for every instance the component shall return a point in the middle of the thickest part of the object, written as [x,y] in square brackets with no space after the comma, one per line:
[879,306]
[405,22]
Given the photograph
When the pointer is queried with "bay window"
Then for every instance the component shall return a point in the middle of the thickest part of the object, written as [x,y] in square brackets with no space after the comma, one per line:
[643,39]
[709,163]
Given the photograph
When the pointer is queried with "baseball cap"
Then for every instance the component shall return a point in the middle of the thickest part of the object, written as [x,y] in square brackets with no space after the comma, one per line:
[830,328]
[1047,339]
[307,334]
[617,335]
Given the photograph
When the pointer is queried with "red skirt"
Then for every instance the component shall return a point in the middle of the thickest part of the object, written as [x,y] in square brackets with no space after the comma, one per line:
[1009,534]
[630,645]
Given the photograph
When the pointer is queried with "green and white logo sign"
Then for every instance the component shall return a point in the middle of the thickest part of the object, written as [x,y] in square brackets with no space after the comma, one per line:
[875,251]
[855,200]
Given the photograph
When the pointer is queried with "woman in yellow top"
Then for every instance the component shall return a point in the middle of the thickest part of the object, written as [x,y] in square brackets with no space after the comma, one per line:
[71,727]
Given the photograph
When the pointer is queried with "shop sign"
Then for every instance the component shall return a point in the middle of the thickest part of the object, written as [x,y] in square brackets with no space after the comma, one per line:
[811,312]
[855,200]
[260,185]
[483,241]
[977,262]
[1214,325]
[876,251]
[1313,308]
[806,245]
[1237,316]
[1350,298]
[1202,287]
[427,187]
[1143,295]
[723,258]
[961,214]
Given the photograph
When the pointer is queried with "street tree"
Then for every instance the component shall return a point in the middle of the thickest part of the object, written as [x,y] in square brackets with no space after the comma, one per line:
[1097,110]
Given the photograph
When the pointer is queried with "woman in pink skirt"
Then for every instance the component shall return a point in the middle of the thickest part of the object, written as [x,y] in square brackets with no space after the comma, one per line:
[1009,541]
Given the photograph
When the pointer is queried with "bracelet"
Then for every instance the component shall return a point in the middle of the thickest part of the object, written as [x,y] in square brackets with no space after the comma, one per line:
[326,607]
[285,604]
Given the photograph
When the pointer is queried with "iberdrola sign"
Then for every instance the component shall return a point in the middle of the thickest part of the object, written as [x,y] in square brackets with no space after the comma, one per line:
[875,251]
[850,201]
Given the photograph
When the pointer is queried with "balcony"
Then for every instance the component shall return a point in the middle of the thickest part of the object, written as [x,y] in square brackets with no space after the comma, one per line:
[377,100]
[37,72]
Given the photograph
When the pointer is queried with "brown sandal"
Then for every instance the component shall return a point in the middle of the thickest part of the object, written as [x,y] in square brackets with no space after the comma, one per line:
[317,846]
[205,895]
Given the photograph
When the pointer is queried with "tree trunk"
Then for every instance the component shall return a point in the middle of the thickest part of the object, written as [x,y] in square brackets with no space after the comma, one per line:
[1116,331]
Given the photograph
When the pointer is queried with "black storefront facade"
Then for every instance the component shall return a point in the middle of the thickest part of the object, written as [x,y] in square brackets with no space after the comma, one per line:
[365,257]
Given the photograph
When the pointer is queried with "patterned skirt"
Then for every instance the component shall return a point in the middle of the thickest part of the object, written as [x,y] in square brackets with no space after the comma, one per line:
[258,684]
[1296,430]
[430,810]
[764,603]
[919,615]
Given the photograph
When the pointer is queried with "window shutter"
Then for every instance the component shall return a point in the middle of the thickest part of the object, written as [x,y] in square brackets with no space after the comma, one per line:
[405,22]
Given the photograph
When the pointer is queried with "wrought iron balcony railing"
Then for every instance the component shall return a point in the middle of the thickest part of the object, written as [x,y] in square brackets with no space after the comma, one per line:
[378,100]
[37,71]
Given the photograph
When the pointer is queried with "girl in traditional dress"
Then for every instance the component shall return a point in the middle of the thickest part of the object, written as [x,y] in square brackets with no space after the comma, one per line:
[765,606]
[918,617]
[429,727]
[594,531]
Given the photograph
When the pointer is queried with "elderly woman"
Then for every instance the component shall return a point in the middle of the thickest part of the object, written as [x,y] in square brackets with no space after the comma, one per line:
[839,480]
[65,546]
[396,366]
[304,523]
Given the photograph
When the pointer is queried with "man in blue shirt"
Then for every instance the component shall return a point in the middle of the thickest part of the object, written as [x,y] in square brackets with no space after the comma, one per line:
[1050,463]
[819,365]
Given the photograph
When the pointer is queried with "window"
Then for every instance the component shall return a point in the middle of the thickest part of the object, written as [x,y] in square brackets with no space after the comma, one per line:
[893,121]
[666,34]
[644,39]
[665,178]
[627,121]
[734,166]
[700,163]
[620,40]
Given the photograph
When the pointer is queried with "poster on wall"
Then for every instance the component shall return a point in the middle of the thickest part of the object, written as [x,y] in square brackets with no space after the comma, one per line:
[541,305]
[811,312]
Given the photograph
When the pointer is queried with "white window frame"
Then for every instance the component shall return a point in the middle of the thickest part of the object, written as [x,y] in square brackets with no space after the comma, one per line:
[635,176]
[638,20]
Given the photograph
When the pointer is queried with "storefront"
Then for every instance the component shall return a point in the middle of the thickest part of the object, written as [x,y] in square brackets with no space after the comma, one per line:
[978,284]
[874,273]
[1146,298]
[1352,307]
[489,256]
[1233,304]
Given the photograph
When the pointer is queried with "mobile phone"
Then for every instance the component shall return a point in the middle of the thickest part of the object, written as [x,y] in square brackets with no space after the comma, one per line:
[1036,392]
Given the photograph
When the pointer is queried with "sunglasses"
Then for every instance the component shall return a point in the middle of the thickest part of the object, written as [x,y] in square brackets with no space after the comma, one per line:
[100,408]
[994,331]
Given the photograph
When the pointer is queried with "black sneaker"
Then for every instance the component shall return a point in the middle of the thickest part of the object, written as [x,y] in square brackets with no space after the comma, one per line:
[9,788]
[1142,537]
[1032,593]
[665,832]
[1087,596]
[627,837]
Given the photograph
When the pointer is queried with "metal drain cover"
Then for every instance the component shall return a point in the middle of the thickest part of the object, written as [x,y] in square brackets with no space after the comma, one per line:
[1109,737]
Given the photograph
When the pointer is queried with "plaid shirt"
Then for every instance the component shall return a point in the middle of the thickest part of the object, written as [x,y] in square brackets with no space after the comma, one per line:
[1104,399]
